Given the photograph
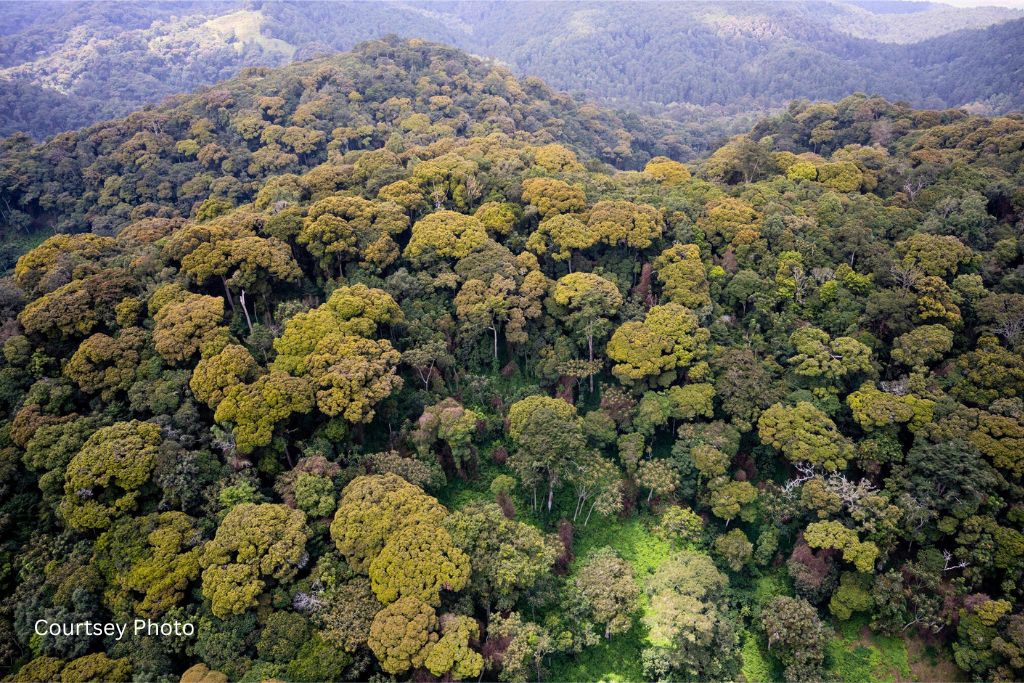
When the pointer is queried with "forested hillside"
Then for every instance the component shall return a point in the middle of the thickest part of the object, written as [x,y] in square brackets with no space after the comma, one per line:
[374,367]
[710,64]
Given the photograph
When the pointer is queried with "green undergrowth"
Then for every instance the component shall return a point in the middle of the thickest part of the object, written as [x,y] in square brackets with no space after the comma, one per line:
[856,654]
[619,657]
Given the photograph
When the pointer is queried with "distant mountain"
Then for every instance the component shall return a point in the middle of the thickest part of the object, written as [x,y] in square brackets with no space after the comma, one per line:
[696,61]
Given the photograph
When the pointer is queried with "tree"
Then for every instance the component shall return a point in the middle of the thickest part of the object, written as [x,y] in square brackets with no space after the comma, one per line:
[1000,435]
[213,376]
[1003,314]
[354,310]
[444,234]
[561,235]
[254,410]
[820,358]
[351,374]
[596,479]
[729,498]
[730,221]
[508,558]
[97,667]
[553,197]
[691,632]
[853,595]
[501,302]
[104,480]
[244,264]
[682,276]
[41,269]
[952,477]
[608,591]
[449,422]
[107,365]
[338,230]
[796,636]
[657,475]
[374,508]
[680,524]
[345,613]
[834,536]
[872,408]
[452,656]
[186,326]
[735,549]
[498,217]
[667,171]
[548,437]
[556,159]
[419,560]
[403,634]
[922,346]
[519,647]
[937,255]
[804,434]
[77,308]
[619,222]
[651,351]
[709,461]
[591,302]
[741,159]
[254,546]
[149,562]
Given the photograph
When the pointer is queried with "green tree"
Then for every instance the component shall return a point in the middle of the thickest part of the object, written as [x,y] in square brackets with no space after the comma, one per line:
[591,301]
[548,438]
[796,636]
[608,591]
[804,434]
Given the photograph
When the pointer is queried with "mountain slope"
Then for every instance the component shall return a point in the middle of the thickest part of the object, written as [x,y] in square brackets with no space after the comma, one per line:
[694,60]
[230,138]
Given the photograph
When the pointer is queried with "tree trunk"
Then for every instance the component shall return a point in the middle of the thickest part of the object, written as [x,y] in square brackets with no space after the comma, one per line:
[245,310]
[590,351]
[551,493]
[227,291]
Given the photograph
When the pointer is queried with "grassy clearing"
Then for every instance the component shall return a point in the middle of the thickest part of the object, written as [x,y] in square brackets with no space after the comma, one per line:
[246,26]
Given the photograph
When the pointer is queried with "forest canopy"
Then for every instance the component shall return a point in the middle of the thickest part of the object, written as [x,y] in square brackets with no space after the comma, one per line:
[394,364]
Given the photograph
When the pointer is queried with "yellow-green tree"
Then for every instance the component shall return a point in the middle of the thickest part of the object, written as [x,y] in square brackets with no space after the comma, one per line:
[420,560]
[338,230]
[562,235]
[254,410]
[651,352]
[403,634]
[682,276]
[444,235]
[804,434]
[374,508]
[619,222]
[255,546]
[104,480]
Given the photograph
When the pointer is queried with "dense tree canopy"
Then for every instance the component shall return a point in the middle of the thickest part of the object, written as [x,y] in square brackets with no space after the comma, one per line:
[393,380]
